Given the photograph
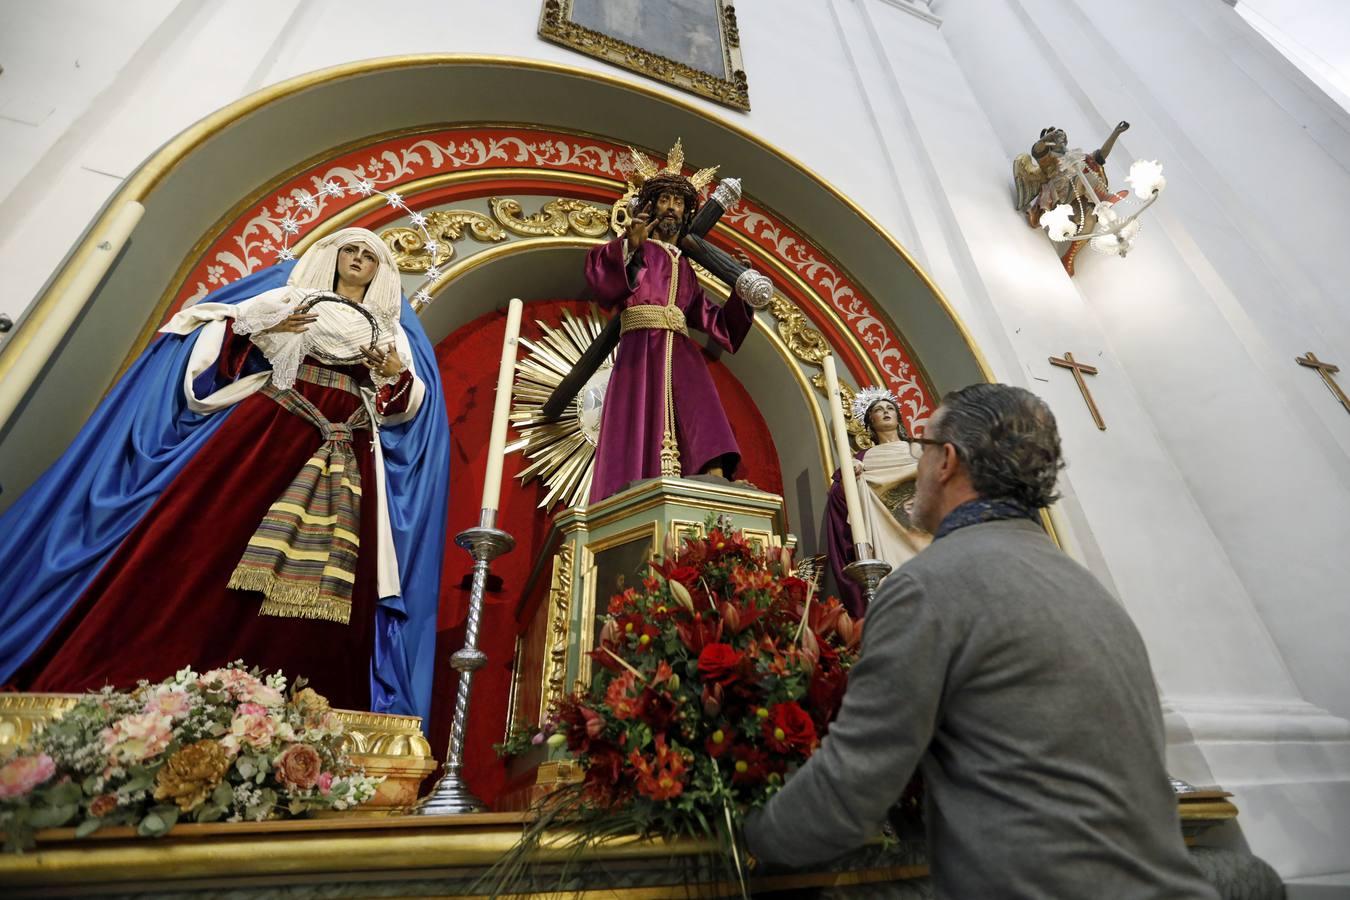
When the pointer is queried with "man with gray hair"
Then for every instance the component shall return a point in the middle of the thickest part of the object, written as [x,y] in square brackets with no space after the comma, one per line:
[1011,679]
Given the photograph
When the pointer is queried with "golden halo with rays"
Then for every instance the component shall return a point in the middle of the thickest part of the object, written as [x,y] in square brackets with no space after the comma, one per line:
[562,453]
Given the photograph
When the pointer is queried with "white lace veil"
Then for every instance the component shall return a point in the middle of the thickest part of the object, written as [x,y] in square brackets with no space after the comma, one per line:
[314,271]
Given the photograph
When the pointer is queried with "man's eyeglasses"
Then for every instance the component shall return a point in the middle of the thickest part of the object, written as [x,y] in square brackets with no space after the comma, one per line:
[916,445]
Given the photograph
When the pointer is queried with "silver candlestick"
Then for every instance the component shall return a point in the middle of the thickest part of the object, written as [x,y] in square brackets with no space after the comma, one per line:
[452,796]
[867,570]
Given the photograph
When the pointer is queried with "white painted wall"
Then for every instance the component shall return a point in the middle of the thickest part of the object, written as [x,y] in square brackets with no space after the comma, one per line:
[1312,34]
[1217,505]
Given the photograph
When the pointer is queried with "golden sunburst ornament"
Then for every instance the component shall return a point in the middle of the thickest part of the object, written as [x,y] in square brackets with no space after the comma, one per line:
[562,452]
[644,169]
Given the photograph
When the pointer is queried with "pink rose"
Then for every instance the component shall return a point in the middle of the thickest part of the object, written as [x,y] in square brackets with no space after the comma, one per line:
[173,702]
[325,783]
[242,686]
[23,773]
[298,766]
[252,725]
[138,737]
[262,694]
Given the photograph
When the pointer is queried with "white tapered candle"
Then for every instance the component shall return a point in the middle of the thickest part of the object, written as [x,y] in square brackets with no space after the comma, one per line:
[501,409]
[855,516]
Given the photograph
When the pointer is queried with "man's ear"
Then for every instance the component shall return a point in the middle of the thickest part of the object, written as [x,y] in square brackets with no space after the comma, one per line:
[950,465]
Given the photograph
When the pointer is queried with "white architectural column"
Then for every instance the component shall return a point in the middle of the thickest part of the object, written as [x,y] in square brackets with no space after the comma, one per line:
[1239,536]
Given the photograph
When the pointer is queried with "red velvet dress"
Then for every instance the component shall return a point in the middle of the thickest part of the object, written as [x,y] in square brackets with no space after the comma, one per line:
[161,602]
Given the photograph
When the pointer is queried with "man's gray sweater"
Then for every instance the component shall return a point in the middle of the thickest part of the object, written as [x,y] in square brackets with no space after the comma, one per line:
[1021,690]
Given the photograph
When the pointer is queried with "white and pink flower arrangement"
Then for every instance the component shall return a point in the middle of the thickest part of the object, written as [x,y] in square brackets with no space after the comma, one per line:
[230,745]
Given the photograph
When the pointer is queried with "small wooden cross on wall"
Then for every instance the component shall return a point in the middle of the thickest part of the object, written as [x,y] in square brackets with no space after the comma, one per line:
[1079,370]
[1327,371]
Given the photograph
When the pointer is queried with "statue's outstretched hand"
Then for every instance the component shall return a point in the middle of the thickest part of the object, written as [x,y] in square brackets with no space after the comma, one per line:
[295,323]
[1122,126]
[639,229]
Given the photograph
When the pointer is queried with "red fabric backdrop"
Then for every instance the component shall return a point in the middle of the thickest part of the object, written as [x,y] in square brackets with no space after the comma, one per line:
[468,369]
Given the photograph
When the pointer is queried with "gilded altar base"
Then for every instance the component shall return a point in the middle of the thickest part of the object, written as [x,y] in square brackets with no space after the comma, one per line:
[446,856]
[376,852]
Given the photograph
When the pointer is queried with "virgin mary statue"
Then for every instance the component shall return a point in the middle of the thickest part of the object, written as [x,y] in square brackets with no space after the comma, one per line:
[268,482]
[886,473]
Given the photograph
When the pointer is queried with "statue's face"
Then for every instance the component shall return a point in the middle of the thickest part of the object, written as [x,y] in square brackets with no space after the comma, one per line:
[669,214]
[883,416]
[1058,140]
[356,265]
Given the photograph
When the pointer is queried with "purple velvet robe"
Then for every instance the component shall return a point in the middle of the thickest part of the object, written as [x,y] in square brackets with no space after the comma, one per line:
[839,546]
[632,422]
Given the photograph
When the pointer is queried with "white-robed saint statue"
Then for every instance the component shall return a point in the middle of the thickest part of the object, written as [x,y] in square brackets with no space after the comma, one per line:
[267,482]
[886,473]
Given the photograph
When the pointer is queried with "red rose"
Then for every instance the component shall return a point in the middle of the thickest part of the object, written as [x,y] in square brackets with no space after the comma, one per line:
[720,663]
[789,729]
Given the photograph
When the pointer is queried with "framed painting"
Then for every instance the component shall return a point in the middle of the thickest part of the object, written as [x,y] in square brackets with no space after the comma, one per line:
[693,45]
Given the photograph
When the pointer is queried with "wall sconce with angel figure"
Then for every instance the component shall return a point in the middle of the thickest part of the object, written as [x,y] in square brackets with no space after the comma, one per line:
[1065,191]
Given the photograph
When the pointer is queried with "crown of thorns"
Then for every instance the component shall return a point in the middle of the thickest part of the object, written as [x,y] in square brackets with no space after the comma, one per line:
[644,170]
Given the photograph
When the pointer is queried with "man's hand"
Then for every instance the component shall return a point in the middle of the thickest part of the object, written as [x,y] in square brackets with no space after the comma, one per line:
[384,362]
[858,467]
[1122,127]
[295,323]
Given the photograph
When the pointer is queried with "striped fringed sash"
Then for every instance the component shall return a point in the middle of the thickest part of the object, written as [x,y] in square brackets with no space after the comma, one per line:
[303,555]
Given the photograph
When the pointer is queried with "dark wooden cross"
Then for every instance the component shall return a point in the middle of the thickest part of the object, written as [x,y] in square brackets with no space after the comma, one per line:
[1079,370]
[1326,370]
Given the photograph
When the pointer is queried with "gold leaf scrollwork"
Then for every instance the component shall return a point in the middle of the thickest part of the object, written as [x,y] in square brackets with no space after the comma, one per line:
[731,29]
[559,604]
[556,218]
[805,342]
[446,226]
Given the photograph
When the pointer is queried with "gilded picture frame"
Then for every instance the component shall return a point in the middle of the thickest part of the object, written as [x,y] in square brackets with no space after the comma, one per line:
[694,45]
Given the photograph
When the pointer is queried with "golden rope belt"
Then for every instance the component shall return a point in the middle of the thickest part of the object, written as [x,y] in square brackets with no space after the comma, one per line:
[649,317]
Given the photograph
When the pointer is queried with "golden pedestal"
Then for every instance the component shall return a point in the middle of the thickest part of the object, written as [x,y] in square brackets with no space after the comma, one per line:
[389,746]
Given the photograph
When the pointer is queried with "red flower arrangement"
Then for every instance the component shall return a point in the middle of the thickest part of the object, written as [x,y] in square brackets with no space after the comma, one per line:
[712,683]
